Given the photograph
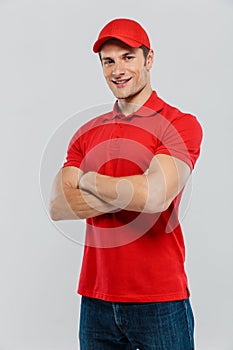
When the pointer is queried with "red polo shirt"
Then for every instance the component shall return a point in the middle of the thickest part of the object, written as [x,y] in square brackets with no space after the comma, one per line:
[129,256]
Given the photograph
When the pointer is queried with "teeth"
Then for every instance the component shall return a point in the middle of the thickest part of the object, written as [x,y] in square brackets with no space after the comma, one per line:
[120,82]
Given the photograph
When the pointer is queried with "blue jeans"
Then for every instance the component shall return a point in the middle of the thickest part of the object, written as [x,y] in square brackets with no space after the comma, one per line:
[131,326]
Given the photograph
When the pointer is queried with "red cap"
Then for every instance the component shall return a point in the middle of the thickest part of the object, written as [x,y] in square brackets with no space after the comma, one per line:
[124,29]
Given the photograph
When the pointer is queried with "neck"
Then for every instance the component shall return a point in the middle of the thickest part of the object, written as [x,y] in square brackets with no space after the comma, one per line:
[131,104]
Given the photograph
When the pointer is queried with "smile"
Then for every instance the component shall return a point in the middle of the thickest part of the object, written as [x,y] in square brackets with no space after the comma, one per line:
[121,83]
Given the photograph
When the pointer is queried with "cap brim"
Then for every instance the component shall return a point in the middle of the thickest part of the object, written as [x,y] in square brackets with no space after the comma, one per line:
[132,43]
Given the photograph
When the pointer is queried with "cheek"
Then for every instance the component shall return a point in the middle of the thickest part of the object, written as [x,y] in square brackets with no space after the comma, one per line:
[140,76]
[106,73]
[144,75]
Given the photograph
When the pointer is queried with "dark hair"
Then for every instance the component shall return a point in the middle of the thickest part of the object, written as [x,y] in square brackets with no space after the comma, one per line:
[143,47]
[145,51]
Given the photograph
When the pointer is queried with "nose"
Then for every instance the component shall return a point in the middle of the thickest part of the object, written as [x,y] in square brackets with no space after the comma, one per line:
[118,69]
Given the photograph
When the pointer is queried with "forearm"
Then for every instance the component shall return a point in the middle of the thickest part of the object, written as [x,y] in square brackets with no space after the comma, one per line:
[151,192]
[134,193]
[129,193]
[75,204]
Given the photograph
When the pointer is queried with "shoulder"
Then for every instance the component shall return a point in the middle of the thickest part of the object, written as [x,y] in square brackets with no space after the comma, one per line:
[181,120]
[90,125]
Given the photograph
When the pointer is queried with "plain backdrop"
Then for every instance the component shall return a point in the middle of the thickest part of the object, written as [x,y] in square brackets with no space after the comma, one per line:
[47,74]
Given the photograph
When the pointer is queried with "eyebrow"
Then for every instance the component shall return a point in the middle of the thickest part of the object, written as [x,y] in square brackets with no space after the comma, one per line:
[106,58]
[129,53]
[124,55]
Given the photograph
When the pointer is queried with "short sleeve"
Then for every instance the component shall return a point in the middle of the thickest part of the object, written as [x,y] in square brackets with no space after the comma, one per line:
[182,139]
[74,154]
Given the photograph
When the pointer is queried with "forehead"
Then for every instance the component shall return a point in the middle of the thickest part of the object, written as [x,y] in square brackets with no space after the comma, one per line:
[114,46]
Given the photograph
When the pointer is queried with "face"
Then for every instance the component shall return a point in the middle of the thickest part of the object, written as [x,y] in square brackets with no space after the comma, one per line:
[126,70]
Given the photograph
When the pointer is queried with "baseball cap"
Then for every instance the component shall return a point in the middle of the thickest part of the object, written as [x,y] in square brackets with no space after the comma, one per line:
[124,29]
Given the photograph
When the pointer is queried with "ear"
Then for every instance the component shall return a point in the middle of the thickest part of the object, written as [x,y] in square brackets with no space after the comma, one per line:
[150,60]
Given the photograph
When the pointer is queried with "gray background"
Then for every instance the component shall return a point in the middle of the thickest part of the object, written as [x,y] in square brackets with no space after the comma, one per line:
[47,73]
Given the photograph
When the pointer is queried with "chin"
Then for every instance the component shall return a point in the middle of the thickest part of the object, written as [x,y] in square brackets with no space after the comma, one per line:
[122,95]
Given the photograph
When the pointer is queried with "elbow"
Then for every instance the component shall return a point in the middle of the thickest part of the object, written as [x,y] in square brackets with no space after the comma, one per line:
[60,211]
[54,216]
[154,204]
[54,212]
[155,197]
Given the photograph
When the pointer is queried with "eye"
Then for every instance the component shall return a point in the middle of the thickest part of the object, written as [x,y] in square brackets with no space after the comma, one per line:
[108,62]
[129,58]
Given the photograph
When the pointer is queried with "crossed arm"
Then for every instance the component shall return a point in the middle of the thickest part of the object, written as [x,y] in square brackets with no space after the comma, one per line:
[77,196]
[69,202]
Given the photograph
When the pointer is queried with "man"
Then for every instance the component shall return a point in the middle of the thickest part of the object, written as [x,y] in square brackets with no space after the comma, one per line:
[125,172]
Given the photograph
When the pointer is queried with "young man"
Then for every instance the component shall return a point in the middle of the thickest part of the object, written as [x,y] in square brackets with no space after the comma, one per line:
[124,173]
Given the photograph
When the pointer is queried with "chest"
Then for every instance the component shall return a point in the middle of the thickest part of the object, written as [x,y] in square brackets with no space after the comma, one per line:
[118,149]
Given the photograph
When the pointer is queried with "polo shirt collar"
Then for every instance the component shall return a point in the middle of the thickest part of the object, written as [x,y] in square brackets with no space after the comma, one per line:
[152,106]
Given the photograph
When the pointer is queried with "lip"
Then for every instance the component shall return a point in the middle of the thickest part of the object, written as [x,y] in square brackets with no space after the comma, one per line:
[120,83]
